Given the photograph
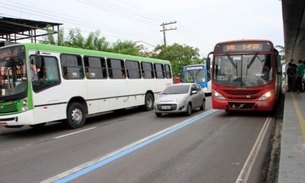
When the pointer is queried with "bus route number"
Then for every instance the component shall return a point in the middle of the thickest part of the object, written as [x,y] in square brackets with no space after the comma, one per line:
[243,47]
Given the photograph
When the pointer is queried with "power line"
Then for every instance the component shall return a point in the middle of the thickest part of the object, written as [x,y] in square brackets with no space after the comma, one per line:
[57,16]
[117,10]
[116,7]
[131,9]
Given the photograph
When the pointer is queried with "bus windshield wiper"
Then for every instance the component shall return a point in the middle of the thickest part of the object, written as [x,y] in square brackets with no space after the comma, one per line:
[191,74]
[231,60]
[252,60]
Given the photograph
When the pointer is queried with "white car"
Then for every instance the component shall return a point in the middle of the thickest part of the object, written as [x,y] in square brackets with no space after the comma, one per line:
[180,98]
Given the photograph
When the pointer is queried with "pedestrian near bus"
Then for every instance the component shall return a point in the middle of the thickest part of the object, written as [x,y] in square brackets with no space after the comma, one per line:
[300,74]
[291,73]
[303,80]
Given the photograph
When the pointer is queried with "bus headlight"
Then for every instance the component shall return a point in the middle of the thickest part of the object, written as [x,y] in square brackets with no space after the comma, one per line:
[266,96]
[25,105]
[218,95]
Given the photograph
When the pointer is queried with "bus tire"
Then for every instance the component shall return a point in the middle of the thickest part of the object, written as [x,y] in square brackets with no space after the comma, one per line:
[75,115]
[202,107]
[188,111]
[149,102]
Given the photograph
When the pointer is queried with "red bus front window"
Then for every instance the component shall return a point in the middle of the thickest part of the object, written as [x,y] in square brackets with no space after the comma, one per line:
[242,70]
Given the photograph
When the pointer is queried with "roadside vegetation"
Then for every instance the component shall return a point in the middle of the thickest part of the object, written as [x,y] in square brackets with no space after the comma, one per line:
[179,55]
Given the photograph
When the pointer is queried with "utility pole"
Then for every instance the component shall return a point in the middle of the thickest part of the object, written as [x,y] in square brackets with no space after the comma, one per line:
[165,29]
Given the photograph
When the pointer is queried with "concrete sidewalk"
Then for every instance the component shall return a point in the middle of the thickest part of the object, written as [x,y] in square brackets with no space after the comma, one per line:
[292,157]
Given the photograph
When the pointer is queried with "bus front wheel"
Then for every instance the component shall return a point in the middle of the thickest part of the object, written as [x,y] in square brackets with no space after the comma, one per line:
[75,115]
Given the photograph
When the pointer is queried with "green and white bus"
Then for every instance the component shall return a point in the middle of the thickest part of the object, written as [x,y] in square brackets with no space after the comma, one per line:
[45,83]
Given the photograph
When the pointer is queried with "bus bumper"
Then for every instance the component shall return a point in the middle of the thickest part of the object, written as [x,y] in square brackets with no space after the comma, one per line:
[15,120]
[243,106]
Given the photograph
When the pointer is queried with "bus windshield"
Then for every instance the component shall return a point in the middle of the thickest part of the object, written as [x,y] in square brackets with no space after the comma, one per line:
[193,74]
[13,80]
[242,70]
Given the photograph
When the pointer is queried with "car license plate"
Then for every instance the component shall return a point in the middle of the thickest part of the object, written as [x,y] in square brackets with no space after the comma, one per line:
[165,107]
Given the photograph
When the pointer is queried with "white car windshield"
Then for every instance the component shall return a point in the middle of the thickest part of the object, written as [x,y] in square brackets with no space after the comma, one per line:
[176,89]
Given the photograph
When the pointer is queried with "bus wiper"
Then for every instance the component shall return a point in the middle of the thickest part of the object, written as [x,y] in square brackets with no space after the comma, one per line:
[252,60]
[231,60]
[197,73]
[191,74]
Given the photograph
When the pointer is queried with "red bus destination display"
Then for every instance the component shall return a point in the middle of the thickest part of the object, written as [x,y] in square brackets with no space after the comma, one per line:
[243,47]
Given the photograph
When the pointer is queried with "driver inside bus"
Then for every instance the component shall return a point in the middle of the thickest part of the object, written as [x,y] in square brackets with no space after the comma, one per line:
[48,75]
[266,69]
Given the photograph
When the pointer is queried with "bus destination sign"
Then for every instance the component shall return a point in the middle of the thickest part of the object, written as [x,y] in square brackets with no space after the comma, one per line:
[242,47]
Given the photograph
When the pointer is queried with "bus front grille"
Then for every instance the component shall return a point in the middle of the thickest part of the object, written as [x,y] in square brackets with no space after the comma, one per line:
[242,92]
[7,108]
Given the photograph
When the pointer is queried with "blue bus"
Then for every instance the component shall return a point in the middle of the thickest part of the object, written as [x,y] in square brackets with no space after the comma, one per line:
[197,73]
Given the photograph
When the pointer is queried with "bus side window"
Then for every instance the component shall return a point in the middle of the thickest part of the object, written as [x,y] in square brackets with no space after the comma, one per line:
[116,68]
[147,70]
[94,67]
[168,73]
[159,71]
[133,69]
[48,74]
[72,66]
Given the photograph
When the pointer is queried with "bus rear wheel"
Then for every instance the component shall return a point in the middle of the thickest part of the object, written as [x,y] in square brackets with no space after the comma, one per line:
[75,115]
[149,102]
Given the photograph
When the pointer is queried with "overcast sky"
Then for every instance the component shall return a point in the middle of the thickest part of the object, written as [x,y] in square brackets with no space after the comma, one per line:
[200,23]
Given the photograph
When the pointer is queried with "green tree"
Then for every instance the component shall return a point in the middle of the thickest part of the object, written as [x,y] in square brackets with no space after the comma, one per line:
[143,51]
[49,38]
[75,39]
[178,55]
[126,47]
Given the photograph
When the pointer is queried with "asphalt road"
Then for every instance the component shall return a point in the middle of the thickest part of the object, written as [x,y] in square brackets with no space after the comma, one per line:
[137,147]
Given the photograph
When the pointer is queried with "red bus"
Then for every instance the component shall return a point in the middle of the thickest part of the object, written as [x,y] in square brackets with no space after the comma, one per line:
[245,75]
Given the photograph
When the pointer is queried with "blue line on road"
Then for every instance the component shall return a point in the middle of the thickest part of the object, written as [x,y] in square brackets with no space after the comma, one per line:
[131,149]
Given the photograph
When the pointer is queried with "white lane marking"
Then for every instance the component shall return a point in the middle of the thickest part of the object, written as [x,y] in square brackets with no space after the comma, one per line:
[73,133]
[245,171]
[95,161]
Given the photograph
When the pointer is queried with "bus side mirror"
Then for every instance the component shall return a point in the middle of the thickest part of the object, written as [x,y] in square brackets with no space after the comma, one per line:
[279,64]
[208,63]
